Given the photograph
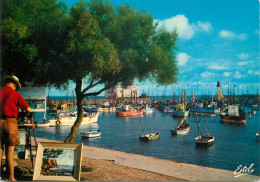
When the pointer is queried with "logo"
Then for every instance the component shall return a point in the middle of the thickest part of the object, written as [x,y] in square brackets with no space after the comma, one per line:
[240,171]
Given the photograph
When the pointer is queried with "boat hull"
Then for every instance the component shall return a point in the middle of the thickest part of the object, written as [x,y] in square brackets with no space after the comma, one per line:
[149,137]
[90,134]
[180,113]
[130,113]
[69,121]
[180,131]
[204,140]
[233,119]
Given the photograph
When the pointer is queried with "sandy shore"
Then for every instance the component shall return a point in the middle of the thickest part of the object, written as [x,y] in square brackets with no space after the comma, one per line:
[100,164]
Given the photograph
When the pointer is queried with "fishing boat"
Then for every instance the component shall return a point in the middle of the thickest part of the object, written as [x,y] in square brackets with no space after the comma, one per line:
[91,134]
[149,137]
[65,119]
[129,111]
[233,114]
[148,109]
[206,139]
[181,129]
[180,111]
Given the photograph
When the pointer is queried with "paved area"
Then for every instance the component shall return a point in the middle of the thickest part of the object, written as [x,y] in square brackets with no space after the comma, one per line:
[180,170]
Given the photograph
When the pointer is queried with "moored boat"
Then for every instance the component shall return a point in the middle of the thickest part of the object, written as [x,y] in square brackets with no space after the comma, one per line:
[128,111]
[91,134]
[206,139]
[233,114]
[181,129]
[149,137]
[69,120]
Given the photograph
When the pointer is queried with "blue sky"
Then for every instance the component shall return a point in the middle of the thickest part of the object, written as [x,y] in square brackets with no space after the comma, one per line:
[218,41]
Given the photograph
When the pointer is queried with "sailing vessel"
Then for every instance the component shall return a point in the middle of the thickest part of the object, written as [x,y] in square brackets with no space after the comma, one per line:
[233,114]
[181,108]
[148,137]
[207,138]
[181,129]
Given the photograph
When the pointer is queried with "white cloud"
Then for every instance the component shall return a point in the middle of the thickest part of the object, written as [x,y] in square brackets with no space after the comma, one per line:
[237,75]
[185,29]
[182,59]
[215,66]
[227,74]
[243,63]
[205,27]
[243,56]
[207,74]
[253,72]
[231,35]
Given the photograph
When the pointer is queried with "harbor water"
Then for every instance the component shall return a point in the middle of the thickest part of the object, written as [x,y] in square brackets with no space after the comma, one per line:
[234,145]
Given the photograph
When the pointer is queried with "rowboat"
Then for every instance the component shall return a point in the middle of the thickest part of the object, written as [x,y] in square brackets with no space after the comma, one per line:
[149,137]
[181,129]
[91,134]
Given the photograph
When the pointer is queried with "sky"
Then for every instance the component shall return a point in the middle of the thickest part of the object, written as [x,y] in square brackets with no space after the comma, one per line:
[218,41]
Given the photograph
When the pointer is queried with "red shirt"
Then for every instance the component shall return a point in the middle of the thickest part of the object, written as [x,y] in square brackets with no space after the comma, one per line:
[10,101]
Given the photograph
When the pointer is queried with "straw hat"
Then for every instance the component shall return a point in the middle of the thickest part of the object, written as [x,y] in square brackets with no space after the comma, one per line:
[12,79]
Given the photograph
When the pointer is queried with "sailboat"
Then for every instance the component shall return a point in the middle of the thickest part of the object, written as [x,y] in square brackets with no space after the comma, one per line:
[233,114]
[182,128]
[148,137]
[181,108]
[206,139]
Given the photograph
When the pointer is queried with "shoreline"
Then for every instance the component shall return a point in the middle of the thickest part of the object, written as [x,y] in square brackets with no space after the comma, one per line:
[176,170]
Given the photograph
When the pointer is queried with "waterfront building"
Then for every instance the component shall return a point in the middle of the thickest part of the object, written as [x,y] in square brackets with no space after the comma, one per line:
[120,92]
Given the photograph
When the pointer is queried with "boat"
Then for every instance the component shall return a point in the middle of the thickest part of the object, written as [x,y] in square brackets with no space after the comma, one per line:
[233,114]
[206,139]
[91,134]
[180,111]
[129,111]
[148,109]
[255,107]
[169,109]
[149,137]
[258,136]
[181,129]
[65,119]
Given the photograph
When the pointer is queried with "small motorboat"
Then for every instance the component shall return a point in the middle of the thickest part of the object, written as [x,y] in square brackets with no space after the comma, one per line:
[91,134]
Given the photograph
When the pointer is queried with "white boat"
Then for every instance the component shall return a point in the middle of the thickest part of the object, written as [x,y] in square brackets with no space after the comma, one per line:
[168,109]
[148,109]
[69,120]
[182,128]
[206,139]
[91,134]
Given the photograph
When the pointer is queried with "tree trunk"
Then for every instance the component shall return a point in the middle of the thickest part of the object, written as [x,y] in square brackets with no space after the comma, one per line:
[74,129]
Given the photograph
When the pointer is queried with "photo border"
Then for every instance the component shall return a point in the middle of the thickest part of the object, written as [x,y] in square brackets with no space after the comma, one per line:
[58,145]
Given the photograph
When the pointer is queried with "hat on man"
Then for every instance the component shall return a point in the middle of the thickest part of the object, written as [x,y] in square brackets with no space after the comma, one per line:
[12,79]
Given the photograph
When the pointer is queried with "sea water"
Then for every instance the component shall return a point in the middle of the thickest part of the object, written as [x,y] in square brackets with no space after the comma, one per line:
[234,145]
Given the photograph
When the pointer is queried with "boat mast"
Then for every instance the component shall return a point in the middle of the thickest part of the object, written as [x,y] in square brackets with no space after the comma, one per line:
[228,92]
[206,124]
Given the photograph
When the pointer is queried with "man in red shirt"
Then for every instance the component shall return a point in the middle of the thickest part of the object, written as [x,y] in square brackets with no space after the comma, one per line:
[10,102]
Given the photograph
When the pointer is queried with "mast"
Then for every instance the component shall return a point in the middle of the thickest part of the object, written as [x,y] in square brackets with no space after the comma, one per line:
[228,92]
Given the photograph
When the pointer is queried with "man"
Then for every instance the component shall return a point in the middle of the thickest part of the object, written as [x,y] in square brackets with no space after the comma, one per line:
[10,102]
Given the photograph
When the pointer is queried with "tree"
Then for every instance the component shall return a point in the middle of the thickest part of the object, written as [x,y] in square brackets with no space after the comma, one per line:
[104,45]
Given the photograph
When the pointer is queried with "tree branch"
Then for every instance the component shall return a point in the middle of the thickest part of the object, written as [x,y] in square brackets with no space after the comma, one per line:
[97,93]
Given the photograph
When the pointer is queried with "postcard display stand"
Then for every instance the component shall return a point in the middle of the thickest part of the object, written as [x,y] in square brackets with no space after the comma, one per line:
[27,126]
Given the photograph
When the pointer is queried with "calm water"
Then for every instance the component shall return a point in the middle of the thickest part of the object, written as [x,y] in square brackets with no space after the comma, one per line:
[234,145]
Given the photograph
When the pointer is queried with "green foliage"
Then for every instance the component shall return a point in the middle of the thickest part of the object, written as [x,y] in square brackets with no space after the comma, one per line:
[51,153]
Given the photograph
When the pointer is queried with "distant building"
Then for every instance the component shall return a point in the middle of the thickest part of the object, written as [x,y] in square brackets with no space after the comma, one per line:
[119,92]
